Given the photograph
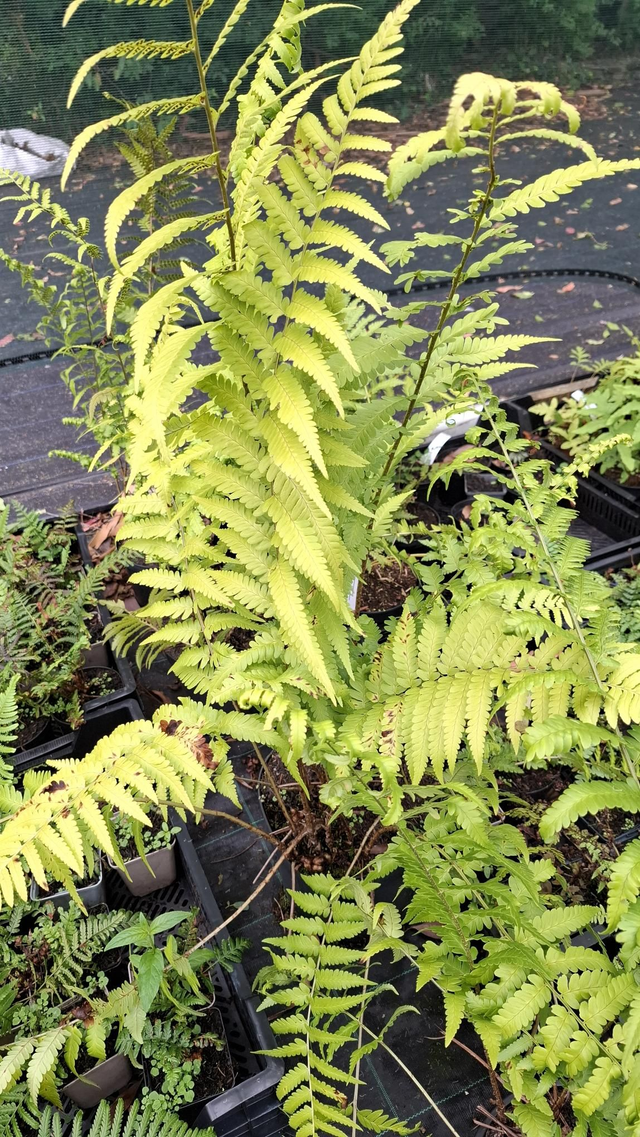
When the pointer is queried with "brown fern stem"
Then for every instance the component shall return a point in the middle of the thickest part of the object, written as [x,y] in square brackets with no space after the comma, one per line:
[208,110]
[455,283]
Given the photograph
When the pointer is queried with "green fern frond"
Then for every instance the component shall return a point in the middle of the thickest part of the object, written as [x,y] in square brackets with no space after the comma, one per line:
[139,1121]
[145,110]
[309,975]
[8,717]
[134,49]
[137,759]
[583,798]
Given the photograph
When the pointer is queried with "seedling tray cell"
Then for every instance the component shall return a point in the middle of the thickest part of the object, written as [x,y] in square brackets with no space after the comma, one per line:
[77,743]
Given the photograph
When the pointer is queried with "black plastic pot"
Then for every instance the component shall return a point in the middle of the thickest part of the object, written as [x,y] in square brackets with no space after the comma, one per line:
[77,743]
[56,733]
[250,1108]
[457,510]
[192,1110]
[381,618]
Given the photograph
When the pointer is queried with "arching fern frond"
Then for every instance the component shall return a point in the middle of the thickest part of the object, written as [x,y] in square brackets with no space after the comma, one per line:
[51,834]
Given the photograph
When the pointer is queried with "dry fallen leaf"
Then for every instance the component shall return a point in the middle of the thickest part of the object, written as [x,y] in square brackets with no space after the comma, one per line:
[567,287]
[631,185]
[619,228]
[108,529]
[615,201]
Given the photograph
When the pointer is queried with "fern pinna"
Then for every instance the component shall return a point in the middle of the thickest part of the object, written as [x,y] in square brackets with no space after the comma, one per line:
[111,1120]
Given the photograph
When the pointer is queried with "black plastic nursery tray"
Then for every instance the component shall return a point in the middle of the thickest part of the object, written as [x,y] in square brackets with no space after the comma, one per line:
[519,410]
[250,1107]
[234,859]
[621,555]
[609,515]
[77,743]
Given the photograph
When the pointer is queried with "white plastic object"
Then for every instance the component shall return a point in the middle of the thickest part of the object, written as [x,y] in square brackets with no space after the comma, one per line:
[36,155]
[353,594]
[435,446]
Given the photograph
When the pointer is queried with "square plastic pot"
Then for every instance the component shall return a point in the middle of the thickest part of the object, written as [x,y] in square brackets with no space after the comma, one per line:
[100,1082]
[92,895]
[159,872]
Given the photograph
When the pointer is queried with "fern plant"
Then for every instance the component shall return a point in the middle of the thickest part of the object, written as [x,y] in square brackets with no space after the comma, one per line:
[74,315]
[73,324]
[8,724]
[44,608]
[112,1121]
[625,586]
[258,510]
[18,1115]
[50,956]
[168,986]
[609,412]
[317,972]
[244,555]
[52,833]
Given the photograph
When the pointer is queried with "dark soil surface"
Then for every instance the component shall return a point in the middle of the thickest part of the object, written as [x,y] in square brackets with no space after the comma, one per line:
[241,638]
[328,848]
[421,511]
[487,1119]
[632,481]
[385,585]
[615,823]
[581,852]
[216,1071]
[96,681]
